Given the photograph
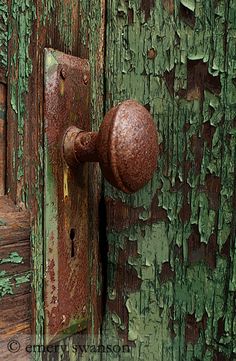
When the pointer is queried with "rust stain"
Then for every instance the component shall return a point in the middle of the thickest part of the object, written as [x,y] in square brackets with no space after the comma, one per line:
[51,270]
[126,146]
[67,277]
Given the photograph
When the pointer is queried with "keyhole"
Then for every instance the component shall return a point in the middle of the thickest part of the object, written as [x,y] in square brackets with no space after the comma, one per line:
[72,237]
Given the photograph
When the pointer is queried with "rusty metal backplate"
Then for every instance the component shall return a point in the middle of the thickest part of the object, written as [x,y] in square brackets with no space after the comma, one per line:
[66,83]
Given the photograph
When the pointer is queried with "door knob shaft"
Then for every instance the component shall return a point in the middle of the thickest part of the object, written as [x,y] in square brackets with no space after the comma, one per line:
[126,146]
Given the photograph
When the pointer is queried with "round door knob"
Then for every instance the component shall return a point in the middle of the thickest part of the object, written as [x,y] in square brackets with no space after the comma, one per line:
[126,146]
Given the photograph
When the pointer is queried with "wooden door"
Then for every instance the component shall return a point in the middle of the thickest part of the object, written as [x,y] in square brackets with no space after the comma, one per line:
[163,259]
[171,260]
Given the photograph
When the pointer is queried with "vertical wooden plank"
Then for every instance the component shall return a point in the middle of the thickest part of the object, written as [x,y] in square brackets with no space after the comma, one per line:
[24,132]
[67,26]
[92,24]
[3,99]
[171,259]
[15,265]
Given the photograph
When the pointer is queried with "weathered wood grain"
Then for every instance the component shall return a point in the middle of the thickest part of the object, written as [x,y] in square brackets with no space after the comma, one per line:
[3,92]
[15,280]
[14,224]
[15,257]
[3,102]
[15,325]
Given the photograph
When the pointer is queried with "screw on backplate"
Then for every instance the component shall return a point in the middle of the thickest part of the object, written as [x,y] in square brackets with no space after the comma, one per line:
[85,79]
[63,73]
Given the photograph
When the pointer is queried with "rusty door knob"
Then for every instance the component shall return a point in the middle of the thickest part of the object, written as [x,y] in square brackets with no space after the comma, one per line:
[126,146]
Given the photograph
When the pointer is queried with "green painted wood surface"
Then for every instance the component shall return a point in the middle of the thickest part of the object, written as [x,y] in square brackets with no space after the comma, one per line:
[172,255]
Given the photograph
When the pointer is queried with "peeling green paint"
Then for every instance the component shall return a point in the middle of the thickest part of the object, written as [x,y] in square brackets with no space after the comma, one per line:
[49,7]
[24,14]
[23,279]
[14,257]
[5,287]
[2,273]
[184,309]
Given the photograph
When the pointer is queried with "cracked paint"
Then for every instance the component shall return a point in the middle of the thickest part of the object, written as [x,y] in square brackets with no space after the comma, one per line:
[13,257]
[184,307]
[182,231]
